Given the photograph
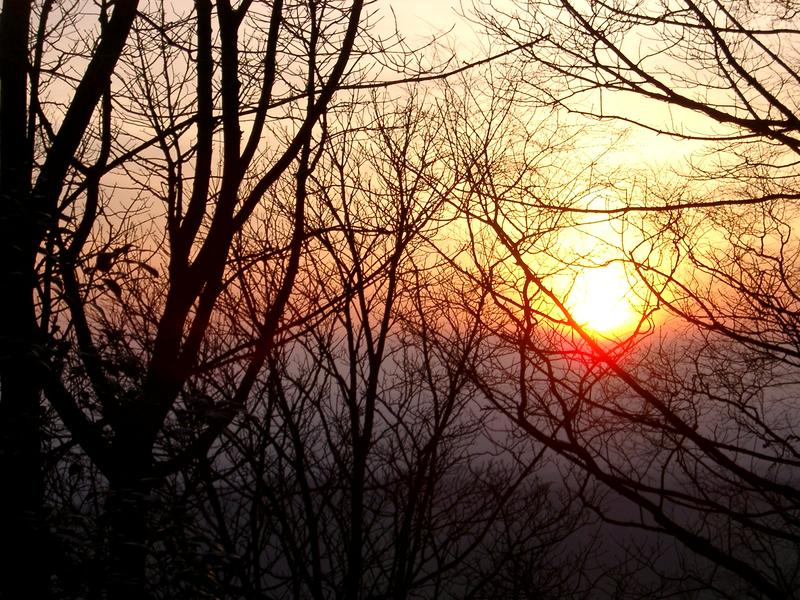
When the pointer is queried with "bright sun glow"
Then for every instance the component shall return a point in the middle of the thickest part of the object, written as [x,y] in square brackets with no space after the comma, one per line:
[601,300]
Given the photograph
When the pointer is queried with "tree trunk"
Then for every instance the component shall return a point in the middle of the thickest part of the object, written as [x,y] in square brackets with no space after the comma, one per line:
[23,551]
[23,545]
[126,509]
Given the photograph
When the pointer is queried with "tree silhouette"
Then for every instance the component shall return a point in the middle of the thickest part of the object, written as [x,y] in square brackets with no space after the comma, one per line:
[32,175]
[201,87]
[271,329]
[694,428]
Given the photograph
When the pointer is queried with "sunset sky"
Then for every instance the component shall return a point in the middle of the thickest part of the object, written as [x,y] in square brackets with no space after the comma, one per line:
[506,305]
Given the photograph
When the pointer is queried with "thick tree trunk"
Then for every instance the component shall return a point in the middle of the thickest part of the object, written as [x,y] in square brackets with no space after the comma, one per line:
[126,509]
[23,548]
[23,544]
[23,551]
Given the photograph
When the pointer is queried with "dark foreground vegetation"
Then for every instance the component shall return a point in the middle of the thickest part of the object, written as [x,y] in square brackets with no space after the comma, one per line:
[285,301]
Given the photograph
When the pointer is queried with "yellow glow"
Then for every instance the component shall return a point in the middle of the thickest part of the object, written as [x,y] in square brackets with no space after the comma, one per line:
[601,300]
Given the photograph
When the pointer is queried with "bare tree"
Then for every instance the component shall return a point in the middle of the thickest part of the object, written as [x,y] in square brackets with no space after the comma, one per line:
[695,428]
[732,63]
[224,101]
[36,157]
[365,466]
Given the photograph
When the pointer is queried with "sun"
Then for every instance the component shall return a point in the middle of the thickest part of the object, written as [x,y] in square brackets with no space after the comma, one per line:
[602,300]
